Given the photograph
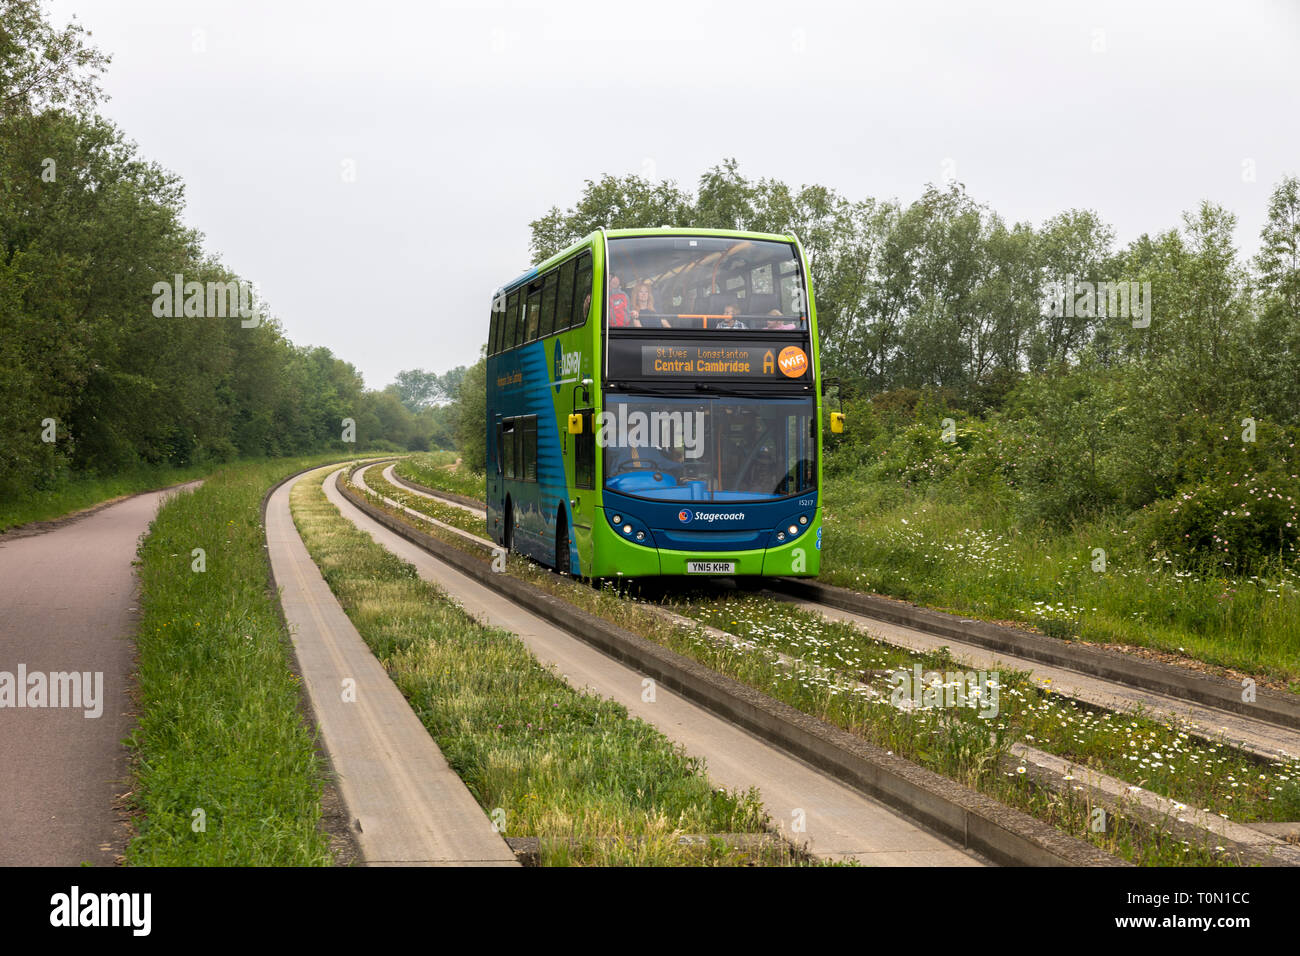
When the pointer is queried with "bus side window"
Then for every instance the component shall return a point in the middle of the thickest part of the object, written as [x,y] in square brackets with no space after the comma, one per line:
[499,449]
[584,453]
[534,312]
[511,322]
[494,325]
[582,291]
[508,447]
[564,304]
[547,325]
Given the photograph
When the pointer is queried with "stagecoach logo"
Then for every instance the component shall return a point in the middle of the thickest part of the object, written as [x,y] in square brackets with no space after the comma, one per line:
[686,517]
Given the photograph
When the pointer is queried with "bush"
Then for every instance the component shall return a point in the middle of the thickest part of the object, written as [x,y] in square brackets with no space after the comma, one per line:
[1068,428]
[851,450]
[991,458]
[919,455]
[896,408]
[980,456]
[1239,519]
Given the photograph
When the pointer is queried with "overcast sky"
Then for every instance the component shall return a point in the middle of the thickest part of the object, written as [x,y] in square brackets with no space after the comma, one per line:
[463,121]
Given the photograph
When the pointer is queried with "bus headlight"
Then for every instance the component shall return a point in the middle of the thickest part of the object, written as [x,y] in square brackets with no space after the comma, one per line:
[798,524]
[630,528]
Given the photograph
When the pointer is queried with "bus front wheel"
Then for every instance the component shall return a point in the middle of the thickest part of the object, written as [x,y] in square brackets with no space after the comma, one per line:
[508,532]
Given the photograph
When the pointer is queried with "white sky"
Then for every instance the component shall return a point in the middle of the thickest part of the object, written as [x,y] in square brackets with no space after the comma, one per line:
[467,120]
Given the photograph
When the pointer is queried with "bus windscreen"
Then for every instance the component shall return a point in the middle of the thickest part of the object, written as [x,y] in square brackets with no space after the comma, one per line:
[720,449]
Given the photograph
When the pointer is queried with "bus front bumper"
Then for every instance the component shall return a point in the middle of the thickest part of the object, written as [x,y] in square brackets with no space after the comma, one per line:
[798,558]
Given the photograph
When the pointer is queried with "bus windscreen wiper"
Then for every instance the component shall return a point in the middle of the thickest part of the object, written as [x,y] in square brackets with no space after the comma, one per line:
[641,388]
[637,388]
[734,392]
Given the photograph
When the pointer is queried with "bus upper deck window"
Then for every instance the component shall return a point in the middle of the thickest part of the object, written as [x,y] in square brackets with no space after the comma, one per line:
[693,280]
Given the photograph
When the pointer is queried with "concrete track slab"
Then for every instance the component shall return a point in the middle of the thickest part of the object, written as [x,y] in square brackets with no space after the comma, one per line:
[407,804]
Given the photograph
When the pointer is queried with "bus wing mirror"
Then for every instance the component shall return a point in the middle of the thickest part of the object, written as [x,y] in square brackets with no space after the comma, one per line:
[837,422]
[575,424]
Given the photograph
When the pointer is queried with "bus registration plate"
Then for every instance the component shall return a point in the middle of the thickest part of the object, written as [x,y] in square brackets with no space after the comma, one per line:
[710,567]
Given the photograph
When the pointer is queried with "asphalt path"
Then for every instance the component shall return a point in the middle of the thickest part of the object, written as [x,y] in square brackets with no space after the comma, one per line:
[68,604]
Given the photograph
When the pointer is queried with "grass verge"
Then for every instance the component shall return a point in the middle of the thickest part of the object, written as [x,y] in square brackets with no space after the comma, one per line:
[77,494]
[447,514]
[435,471]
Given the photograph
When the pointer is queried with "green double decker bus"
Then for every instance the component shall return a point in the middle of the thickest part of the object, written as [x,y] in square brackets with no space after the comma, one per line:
[654,407]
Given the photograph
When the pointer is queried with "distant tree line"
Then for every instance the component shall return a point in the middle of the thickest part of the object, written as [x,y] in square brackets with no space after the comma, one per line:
[92,379]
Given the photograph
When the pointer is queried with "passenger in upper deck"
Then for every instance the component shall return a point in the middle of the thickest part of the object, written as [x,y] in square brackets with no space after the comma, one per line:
[781,323]
[643,307]
[618,303]
[730,321]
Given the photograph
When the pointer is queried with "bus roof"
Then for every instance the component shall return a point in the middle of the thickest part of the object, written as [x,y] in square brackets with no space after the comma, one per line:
[626,233]
[687,231]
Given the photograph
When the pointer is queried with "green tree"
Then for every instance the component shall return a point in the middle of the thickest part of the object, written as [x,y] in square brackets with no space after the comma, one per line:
[418,389]
[41,67]
[1073,247]
[1274,338]
[614,202]
[471,416]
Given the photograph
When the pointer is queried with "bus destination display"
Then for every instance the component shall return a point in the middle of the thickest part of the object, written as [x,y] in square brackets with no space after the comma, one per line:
[716,360]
